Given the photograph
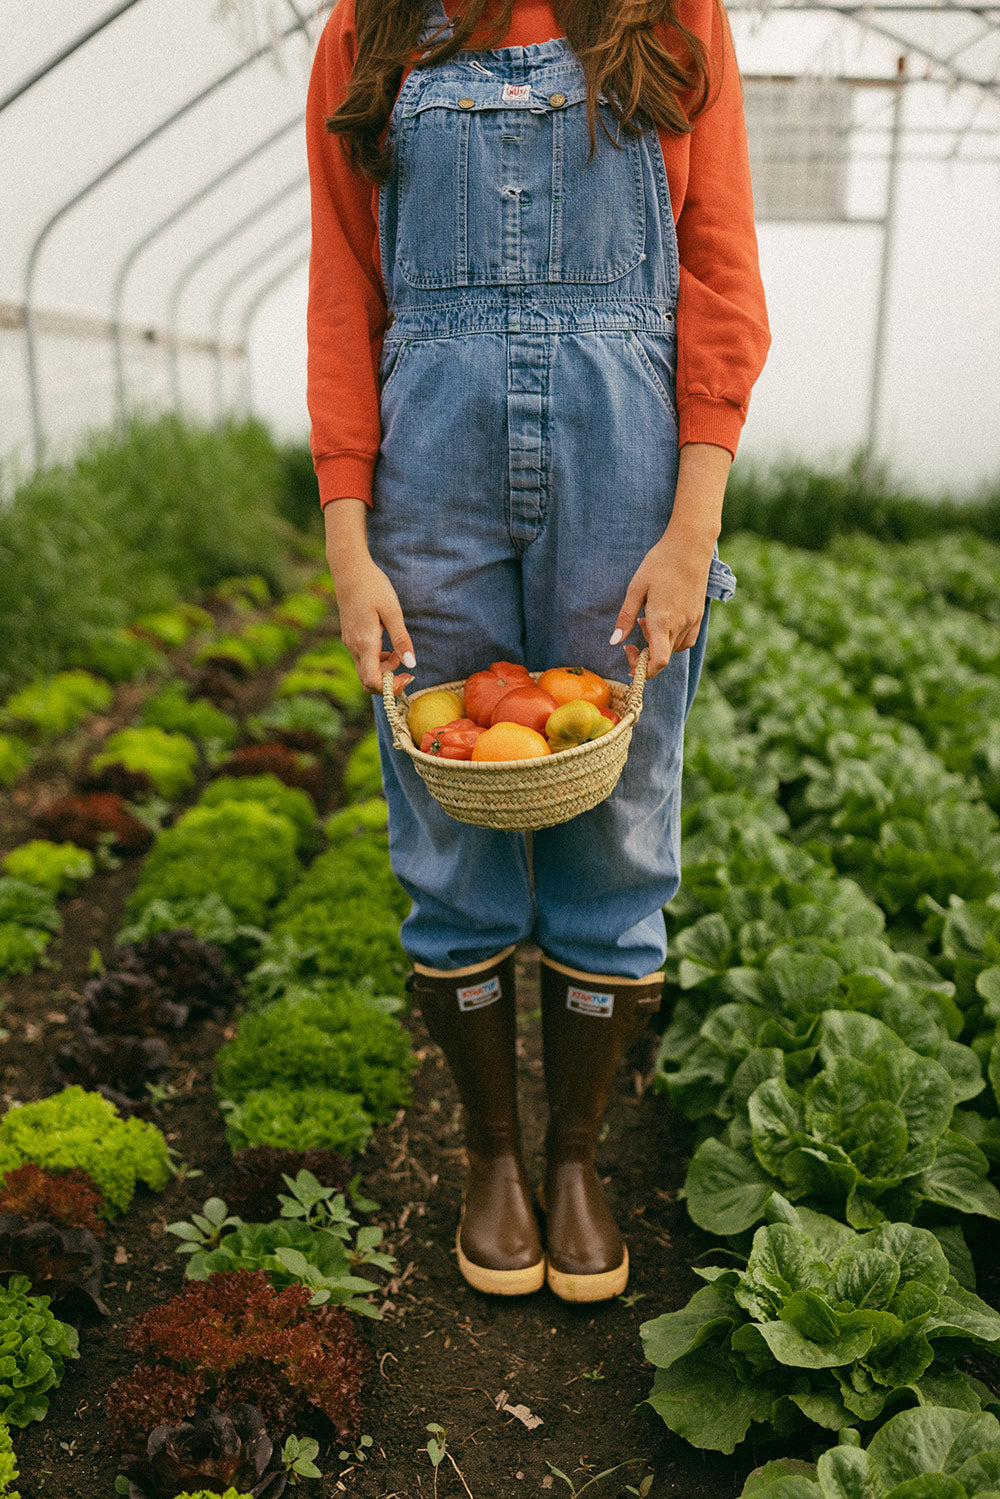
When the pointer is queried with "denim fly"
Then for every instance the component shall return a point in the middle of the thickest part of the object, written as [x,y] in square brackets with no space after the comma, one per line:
[528,462]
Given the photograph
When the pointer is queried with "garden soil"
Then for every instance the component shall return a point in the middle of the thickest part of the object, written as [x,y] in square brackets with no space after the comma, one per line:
[523,1386]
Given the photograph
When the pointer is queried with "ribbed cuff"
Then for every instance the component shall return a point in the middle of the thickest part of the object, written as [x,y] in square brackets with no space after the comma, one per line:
[344,476]
[704,419]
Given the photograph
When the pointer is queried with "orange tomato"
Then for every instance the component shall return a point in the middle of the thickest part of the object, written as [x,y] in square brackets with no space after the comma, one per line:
[510,741]
[568,684]
[525,704]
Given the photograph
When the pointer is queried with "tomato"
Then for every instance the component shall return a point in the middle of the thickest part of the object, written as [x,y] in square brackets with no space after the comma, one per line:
[611,716]
[484,689]
[568,684]
[527,704]
[510,741]
[452,741]
[576,723]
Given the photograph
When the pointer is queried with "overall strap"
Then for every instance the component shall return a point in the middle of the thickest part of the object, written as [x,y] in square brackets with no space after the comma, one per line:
[437,17]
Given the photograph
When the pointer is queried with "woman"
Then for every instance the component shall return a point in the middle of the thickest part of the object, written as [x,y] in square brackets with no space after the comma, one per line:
[535,318]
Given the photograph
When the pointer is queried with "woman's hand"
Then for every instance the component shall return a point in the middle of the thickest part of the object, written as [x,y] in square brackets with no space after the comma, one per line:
[671,579]
[366,600]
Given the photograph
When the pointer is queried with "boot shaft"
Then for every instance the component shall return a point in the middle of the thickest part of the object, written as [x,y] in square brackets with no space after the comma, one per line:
[588,1023]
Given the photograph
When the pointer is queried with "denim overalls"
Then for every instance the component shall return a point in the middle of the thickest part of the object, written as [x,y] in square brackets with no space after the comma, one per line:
[528,463]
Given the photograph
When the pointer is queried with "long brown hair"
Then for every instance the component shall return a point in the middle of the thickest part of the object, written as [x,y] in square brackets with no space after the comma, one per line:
[617,44]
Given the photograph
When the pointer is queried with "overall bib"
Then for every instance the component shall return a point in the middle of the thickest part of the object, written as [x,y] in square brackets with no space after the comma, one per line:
[528,462]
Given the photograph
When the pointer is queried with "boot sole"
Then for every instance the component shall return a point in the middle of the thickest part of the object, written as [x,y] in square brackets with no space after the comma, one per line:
[500,1282]
[581,1288]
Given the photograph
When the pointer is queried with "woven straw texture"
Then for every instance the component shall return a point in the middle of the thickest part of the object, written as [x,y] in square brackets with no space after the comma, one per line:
[523,795]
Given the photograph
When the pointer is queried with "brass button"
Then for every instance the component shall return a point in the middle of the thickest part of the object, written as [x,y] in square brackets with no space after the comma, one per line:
[466,103]
[557,100]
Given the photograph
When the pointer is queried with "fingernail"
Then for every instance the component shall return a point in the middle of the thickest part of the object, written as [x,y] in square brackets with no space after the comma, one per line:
[409,659]
[616,637]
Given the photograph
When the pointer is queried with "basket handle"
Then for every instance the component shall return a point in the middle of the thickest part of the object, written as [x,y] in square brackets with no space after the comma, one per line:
[633,703]
[397,720]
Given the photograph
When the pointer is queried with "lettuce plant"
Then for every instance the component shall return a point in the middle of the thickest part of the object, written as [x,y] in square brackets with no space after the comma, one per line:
[33,1348]
[242,1342]
[62,1263]
[168,761]
[67,1198]
[117,653]
[300,1119]
[207,916]
[14,756]
[173,710]
[363,771]
[305,609]
[26,905]
[213,1494]
[268,641]
[57,867]
[932,1452]
[8,1467]
[851,1120]
[823,1325]
[306,723]
[322,1035]
[79,1129]
[21,948]
[294,767]
[215,1445]
[270,792]
[158,983]
[228,652]
[239,851]
[54,705]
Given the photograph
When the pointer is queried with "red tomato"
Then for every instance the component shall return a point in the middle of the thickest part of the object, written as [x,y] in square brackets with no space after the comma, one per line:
[611,716]
[484,689]
[570,684]
[452,741]
[527,704]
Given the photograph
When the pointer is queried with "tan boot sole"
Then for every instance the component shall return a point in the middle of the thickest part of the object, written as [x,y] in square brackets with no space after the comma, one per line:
[600,1287]
[500,1282]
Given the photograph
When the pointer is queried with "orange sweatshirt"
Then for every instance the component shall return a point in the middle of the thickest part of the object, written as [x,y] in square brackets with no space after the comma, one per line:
[722,330]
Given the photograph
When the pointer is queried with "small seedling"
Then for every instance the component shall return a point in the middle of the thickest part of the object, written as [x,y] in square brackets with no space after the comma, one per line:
[360,1452]
[644,1489]
[297,1455]
[592,1374]
[575,1492]
[205,1229]
[632,1298]
[161,1092]
[437,1451]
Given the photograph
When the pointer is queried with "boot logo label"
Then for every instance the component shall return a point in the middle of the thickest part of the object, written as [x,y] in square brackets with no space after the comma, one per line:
[589,1002]
[474,996]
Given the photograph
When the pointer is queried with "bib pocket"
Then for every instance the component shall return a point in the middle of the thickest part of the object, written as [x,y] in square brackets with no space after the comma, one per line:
[498,191]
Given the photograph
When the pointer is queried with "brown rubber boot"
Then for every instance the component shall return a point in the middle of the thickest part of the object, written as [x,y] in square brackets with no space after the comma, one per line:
[588,1023]
[471,1014]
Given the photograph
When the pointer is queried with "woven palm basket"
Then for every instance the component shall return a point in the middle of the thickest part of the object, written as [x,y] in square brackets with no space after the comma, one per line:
[522,795]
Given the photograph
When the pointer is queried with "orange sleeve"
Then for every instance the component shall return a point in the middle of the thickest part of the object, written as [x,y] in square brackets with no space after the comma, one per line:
[347,308]
[722,328]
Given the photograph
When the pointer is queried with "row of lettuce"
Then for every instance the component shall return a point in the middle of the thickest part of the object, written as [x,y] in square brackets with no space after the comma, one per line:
[246,899]
[835,945]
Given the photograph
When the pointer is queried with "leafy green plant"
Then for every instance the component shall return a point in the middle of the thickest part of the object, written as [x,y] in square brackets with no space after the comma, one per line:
[304,609]
[21,948]
[15,755]
[57,867]
[211,1494]
[54,705]
[228,651]
[173,710]
[823,1325]
[116,653]
[298,1456]
[79,1129]
[367,819]
[321,1035]
[267,641]
[302,722]
[168,759]
[300,1119]
[286,801]
[240,851]
[8,1466]
[311,1243]
[173,627]
[363,772]
[207,916]
[932,1452]
[33,1348]
[852,1119]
